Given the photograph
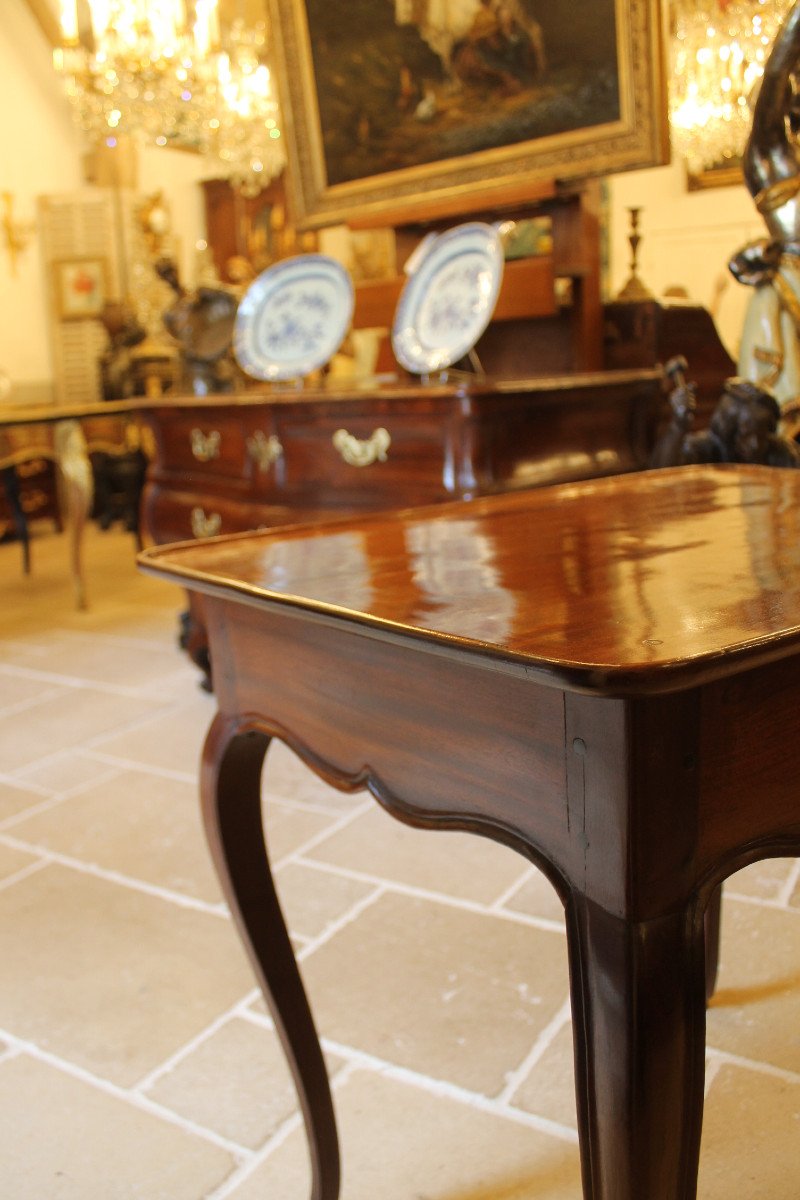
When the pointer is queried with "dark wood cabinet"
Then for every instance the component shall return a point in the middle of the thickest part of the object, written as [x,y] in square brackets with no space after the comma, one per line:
[250,231]
[260,459]
[643,333]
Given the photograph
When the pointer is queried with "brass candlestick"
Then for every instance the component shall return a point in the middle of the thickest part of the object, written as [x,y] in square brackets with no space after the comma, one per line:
[634,289]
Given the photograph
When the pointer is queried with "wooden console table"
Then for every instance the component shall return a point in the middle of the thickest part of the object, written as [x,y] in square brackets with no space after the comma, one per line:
[597,675]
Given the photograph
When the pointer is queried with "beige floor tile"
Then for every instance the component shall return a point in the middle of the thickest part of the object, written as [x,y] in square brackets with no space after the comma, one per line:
[150,617]
[756,1010]
[312,900]
[456,864]
[449,993]
[162,619]
[400,1143]
[141,825]
[177,685]
[236,1083]
[764,879]
[150,610]
[537,898]
[77,714]
[110,978]
[15,799]
[751,1138]
[549,1089]
[172,741]
[17,689]
[285,774]
[115,587]
[288,828]
[62,1139]
[90,656]
[13,860]
[65,771]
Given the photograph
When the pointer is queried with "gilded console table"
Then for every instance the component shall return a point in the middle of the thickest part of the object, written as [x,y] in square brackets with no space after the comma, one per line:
[65,435]
[603,675]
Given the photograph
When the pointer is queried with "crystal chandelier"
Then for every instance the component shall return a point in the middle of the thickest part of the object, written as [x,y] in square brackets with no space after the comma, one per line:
[167,72]
[718,52]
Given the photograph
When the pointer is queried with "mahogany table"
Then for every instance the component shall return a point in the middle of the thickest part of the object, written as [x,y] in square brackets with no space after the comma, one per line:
[602,675]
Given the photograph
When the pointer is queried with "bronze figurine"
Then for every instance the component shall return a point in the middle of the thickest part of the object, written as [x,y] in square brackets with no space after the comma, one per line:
[743,427]
[202,324]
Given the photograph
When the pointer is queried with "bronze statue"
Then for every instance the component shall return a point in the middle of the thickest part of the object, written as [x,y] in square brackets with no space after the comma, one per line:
[202,324]
[116,363]
[743,427]
[770,347]
[771,163]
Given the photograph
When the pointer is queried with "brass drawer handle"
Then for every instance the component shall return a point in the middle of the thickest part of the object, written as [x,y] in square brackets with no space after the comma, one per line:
[362,454]
[205,446]
[264,451]
[205,526]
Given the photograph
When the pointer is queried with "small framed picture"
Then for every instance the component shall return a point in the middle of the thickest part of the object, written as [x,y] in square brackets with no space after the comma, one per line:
[80,288]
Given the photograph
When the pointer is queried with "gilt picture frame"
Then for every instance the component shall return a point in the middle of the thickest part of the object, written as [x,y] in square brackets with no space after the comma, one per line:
[393,105]
[729,175]
[80,287]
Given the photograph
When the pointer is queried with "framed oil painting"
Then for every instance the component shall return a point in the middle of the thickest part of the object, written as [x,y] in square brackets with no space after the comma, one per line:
[390,104]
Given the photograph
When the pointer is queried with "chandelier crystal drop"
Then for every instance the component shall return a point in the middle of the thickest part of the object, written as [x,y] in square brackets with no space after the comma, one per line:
[169,73]
[718,52]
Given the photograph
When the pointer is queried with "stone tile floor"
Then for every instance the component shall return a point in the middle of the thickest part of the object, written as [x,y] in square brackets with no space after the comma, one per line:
[136,1056]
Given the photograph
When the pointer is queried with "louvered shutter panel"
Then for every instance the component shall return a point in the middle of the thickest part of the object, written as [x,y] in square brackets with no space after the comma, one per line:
[94,224]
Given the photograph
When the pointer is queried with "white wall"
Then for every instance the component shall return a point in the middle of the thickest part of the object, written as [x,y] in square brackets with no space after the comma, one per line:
[38,146]
[178,174]
[687,240]
[41,152]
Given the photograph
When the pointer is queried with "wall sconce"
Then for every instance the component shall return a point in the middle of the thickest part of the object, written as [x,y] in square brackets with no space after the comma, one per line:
[16,234]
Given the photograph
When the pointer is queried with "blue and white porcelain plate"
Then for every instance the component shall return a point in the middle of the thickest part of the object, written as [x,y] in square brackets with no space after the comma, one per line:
[293,317]
[449,298]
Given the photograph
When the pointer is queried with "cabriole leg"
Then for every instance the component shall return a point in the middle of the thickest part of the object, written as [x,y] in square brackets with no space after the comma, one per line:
[231,799]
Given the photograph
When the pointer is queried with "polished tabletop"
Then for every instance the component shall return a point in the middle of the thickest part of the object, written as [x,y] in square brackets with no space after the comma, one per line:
[630,584]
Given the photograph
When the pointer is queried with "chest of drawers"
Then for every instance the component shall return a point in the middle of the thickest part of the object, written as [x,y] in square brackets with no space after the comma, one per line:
[242,462]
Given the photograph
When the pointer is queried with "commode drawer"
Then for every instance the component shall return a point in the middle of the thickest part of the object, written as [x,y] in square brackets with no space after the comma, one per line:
[364,457]
[172,515]
[203,443]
